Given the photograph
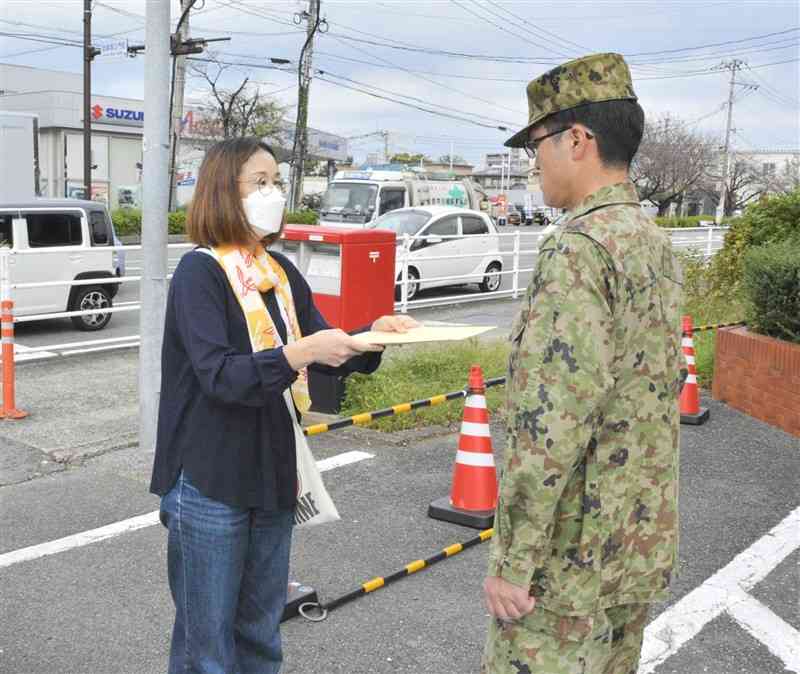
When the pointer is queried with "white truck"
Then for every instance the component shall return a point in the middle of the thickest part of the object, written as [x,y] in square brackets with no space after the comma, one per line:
[354,199]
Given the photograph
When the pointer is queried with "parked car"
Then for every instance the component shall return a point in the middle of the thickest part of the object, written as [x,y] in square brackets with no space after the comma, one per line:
[439,231]
[514,218]
[70,240]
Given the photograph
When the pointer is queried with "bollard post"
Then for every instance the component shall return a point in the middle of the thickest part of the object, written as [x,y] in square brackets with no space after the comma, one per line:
[9,409]
[709,242]
[515,286]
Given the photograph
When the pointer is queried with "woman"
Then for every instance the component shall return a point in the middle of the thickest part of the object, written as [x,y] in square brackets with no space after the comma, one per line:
[241,328]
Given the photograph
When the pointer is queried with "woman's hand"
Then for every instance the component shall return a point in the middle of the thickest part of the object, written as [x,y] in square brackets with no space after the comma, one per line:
[397,323]
[328,347]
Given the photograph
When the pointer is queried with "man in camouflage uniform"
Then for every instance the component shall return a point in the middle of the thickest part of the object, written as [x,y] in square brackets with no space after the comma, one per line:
[586,529]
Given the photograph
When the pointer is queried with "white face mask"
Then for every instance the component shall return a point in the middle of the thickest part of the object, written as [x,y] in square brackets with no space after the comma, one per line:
[265,213]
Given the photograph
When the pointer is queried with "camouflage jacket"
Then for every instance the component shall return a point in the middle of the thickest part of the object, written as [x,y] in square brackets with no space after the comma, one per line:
[587,514]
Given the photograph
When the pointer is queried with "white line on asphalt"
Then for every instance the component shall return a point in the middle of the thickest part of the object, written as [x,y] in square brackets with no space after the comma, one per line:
[135,523]
[681,622]
[782,640]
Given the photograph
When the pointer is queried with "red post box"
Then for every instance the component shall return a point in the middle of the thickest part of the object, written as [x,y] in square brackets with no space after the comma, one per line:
[351,273]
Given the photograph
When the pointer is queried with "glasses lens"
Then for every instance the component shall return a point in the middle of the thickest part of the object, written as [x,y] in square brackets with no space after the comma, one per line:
[266,188]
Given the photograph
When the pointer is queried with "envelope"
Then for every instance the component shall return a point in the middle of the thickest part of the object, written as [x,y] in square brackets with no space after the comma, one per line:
[425,333]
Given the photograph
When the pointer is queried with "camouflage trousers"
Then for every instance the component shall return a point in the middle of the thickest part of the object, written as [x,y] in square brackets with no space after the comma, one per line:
[609,642]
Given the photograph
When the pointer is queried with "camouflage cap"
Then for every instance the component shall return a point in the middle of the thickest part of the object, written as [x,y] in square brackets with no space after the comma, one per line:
[591,79]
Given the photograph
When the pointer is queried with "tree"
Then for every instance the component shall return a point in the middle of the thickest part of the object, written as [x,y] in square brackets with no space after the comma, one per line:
[457,159]
[232,112]
[789,179]
[671,161]
[748,180]
[408,159]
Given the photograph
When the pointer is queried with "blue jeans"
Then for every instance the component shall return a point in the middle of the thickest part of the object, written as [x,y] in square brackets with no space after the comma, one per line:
[228,574]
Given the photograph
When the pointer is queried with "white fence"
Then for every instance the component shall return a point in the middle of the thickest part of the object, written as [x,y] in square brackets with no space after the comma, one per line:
[518,259]
[702,242]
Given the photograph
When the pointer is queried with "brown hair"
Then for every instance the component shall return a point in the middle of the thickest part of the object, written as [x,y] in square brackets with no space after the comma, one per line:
[216,216]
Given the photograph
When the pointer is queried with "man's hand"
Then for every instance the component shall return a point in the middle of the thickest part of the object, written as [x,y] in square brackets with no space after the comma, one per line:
[505,600]
[397,323]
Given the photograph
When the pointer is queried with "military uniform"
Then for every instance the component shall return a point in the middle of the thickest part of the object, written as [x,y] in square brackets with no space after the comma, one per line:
[587,514]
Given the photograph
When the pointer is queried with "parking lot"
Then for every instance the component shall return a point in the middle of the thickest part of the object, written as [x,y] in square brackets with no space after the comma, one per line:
[80,606]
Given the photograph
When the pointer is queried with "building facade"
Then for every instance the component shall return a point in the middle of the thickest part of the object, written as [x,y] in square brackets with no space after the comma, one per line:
[117,125]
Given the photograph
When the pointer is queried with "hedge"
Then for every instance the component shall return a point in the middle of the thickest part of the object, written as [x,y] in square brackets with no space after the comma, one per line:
[687,221]
[128,221]
[771,284]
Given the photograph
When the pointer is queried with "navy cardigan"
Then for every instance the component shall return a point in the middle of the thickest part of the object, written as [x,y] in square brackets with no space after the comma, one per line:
[221,416]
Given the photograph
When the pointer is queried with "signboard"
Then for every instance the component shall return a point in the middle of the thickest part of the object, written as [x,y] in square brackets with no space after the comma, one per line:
[110,49]
[110,114]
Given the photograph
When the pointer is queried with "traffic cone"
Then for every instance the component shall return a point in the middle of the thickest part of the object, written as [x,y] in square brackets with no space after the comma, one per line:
[691,412]
[474,493]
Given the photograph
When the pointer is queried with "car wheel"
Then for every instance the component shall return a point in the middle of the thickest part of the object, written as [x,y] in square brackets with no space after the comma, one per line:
[87,298]
[492,280]
[413,285]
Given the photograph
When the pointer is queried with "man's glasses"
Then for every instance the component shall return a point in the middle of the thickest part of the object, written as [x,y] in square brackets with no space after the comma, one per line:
[532,146]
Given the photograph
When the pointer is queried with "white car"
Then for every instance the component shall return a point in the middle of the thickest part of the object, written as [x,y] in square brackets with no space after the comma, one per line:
[438,232]
[62,240]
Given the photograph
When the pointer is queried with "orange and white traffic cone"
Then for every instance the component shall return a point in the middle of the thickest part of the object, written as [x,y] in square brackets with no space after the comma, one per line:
[473,497]
[691,412]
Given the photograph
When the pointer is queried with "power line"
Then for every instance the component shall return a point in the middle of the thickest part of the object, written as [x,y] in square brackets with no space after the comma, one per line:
[434,82]
[502,28]
[558,38]
[416,107]
[412,98]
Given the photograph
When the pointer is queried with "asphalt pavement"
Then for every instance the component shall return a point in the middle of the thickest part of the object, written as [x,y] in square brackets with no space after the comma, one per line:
[89,606]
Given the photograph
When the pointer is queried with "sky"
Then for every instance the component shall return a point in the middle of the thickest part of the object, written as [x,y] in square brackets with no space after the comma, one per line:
[469,59]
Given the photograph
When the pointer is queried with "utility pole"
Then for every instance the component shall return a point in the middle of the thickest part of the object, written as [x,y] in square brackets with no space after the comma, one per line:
[733,66]
[89,53]
[178,86]
[385,135]
[300,145]
[451,157]
[155,148]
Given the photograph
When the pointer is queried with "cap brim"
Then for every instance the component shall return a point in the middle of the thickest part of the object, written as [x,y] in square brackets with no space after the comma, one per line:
[520,138]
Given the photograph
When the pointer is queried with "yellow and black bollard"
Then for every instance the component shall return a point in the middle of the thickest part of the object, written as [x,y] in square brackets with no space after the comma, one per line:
[316,612]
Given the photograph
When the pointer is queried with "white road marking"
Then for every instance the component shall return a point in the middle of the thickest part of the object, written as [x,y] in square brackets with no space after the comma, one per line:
[21,353]
[782,640]
[681,622]
[135,523]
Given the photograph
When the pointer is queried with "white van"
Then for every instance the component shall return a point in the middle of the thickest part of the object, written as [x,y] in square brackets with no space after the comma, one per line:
[355,199]
[72,239]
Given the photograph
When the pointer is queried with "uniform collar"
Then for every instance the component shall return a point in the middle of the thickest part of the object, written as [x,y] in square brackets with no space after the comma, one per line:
[620,193]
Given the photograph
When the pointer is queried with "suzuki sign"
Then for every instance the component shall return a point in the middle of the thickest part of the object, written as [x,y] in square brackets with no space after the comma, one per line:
[108,114]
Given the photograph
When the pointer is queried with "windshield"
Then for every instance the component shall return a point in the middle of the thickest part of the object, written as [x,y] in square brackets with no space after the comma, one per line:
[402,222]
[349,198]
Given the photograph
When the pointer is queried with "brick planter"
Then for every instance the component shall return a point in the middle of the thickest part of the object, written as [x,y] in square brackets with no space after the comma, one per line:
[760,376]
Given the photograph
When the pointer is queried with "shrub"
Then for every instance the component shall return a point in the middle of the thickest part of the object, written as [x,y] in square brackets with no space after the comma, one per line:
[128,221]
[771,220]
[304,216]
[177,222]
[683,221]
[771,283]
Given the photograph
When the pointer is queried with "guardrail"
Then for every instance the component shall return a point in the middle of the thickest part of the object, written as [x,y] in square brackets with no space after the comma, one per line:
[704,247]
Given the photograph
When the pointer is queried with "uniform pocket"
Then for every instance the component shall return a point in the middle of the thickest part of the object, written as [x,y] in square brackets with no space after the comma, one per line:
[574,629]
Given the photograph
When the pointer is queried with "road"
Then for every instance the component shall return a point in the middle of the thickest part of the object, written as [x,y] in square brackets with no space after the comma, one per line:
[126,324]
